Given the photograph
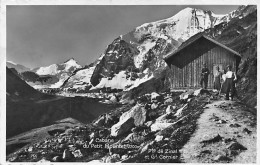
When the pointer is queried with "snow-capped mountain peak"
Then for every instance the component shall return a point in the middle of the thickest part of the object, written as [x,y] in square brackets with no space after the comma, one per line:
[61,71]
[182,25]
[71,63]
[11,62]
[67,66]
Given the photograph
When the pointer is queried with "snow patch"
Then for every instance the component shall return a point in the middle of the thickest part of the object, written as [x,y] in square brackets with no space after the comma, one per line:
[48,70]
[144,48]
[137,82]
[184,24]
[119,81]
[71,63]
[81,78]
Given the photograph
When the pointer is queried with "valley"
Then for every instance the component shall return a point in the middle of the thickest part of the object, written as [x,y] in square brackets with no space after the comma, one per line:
[27,115]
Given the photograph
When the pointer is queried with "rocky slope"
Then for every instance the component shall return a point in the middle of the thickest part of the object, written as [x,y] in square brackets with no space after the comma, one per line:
[128,125]
[17,89]
[155,128]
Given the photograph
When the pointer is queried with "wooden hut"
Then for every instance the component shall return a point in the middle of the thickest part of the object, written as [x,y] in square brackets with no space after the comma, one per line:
[187,61]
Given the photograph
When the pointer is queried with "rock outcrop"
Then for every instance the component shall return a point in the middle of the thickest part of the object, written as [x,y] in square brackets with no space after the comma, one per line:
[138,113]
[122,126]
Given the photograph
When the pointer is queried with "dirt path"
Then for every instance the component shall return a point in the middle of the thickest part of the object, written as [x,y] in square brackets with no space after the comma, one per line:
[218,118]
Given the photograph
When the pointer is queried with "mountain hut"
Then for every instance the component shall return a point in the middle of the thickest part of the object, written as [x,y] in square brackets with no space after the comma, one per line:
[187,61]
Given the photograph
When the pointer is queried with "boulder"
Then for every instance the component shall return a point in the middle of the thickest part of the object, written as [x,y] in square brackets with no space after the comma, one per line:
[122,126]
[205,152]
[247,131]
[62,146]
[103,133]
[113,99]
[197,92]
[236,146]
[186,95]
[154,96]
[234,125]
[109,119]
[154,106]
[146,147]
[67,155]
[100,122]
[170,109]
[179,111]
[215,138]
[161,118]
[92,135]
[158,138]
[30,149]
[159,126]
[148,123]
[200,92]
[77,154]
[57,159]
[129,137]
[221,121]
[134,137]
[138,113]
[167,96]
[168,101]
[123,157]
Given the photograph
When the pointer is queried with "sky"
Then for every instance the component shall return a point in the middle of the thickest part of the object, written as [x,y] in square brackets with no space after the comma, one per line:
[44,35]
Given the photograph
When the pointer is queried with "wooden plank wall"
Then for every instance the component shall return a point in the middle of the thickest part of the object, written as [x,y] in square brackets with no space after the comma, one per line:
[189,76]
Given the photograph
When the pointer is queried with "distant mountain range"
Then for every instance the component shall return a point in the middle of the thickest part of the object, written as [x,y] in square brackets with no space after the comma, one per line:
[18,67]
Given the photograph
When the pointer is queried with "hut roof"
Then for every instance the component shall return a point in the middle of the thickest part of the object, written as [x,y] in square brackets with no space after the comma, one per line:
[194,47]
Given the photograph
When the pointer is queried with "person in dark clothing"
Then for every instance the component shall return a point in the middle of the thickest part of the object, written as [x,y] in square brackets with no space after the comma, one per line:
[204,76]
[231,78]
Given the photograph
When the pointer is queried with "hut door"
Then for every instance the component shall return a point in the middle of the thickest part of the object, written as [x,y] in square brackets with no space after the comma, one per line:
[215,66]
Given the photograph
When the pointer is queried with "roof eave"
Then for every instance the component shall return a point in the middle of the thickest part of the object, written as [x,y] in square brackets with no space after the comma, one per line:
[206,37]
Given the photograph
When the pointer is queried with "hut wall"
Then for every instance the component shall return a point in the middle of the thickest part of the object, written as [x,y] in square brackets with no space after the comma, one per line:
[189,76]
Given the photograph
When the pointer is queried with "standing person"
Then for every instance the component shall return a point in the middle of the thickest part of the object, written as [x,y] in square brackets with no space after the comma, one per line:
[217,78]
[230,82]
[204,76]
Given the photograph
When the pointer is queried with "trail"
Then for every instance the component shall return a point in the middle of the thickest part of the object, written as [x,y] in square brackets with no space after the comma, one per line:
[216,119]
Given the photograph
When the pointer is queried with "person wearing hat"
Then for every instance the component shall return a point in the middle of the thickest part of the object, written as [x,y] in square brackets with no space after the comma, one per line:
[204,76]
[231,78]
[217,78]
